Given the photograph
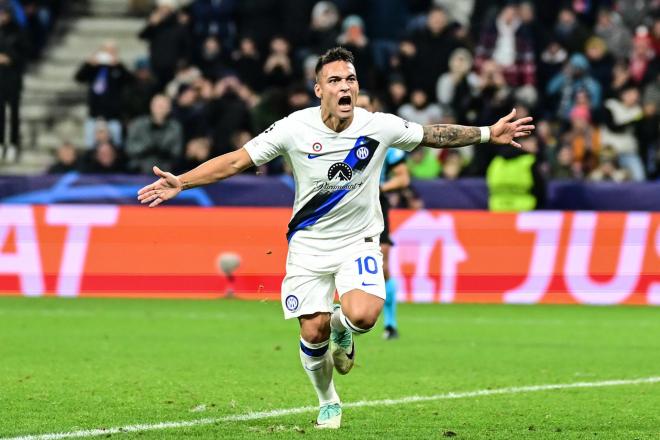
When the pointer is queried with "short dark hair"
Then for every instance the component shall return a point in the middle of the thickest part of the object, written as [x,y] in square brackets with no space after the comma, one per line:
[332,55]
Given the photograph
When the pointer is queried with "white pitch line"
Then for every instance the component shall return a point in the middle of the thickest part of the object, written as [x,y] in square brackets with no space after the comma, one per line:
[304,409]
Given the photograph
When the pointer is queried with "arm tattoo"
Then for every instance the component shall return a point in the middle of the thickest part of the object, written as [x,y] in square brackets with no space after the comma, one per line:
[450,136]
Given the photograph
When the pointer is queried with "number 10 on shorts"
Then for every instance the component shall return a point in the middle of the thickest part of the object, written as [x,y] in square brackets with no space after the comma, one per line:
[367,264]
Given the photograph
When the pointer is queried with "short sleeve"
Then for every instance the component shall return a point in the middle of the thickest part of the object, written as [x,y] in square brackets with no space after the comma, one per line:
[399,133]
[269,144]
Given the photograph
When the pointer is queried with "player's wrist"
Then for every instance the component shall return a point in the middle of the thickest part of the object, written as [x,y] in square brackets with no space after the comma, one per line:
[485,134]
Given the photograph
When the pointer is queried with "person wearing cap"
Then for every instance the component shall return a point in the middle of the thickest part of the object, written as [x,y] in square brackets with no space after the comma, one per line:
[574,77]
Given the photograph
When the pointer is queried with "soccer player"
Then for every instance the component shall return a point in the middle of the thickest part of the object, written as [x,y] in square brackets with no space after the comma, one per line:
[394,176]
[336,152]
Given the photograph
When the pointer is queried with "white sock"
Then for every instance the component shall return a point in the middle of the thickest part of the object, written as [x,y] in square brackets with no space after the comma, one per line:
[317,362]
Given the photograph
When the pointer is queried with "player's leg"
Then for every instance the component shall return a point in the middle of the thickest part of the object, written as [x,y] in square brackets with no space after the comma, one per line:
[389,309]
[307,294]
[361,288]
[317,361]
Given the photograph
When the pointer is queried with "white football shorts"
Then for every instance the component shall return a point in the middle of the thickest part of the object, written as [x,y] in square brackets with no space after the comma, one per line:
[311,280]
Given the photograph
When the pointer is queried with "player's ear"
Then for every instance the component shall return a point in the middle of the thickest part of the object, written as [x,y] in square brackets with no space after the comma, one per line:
[317,90]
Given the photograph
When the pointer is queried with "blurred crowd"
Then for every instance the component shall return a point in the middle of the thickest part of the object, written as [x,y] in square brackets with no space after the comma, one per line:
[221,71]
[24,29]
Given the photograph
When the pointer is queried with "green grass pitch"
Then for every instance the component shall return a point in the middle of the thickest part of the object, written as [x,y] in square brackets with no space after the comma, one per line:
[71,365]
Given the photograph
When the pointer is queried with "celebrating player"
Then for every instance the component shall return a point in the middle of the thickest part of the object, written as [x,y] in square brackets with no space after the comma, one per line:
[336,152]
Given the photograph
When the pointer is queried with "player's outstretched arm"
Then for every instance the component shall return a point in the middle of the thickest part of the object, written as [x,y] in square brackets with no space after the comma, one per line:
[503,132]
[169,186]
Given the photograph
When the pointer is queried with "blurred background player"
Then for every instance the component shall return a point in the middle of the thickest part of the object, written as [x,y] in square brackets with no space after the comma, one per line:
[394,176]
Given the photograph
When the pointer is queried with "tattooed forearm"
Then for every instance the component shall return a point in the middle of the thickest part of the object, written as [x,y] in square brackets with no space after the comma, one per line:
[450,136]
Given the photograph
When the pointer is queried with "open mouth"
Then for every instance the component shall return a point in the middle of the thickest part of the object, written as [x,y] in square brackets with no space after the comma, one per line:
[345,103]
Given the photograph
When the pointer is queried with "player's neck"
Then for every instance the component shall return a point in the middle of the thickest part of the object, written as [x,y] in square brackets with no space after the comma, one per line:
[334,123]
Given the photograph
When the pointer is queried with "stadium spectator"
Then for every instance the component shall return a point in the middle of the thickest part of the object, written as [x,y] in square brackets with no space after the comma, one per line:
[584,140]
[247,64]
[569,32]
[642,65]
[601,62]
[353,38]
[457,88]
[621,117]
[551,62]
[197,151]
[214,61]
[420,110]
[617,36]
[608,169]
[566,84]
[510,44]
[278,68]
[324,27]
[452,165]
[154,137]
[137,94]
[397,93]
[563,166]
[191,109]
[425,53]
[104,158]
[229,111]
[494,96]
[213,19]
[105,76]
[13,49]
[66,159]
[261,18]
[187,75]
[169,43]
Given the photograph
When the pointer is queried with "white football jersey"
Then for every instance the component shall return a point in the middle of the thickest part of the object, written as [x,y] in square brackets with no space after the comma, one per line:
[337,175]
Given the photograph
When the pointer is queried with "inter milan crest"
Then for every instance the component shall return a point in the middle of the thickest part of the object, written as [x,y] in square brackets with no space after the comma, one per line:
[362,153]
[291,303]
[341,171]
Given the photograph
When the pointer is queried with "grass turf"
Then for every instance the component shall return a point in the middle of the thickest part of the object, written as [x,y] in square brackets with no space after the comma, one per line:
[67,365]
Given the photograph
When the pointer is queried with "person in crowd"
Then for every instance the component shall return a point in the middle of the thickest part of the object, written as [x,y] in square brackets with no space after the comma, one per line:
[248,64]
[354,38]
[457,87]
[137,94]
[420,110]
[510,44]
[564,86]
[66,159]
[197,151]
[104,158]
[569,32]
[278,68]
[13,50]
[621,118]
[154,137]
[425,53]
[168,38]
[106,77]
[608,169]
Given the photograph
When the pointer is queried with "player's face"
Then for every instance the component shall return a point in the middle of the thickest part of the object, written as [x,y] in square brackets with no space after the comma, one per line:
[337,88]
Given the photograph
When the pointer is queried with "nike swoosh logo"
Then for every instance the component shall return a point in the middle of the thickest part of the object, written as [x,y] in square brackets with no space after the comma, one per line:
[350,356]
[313,156]
[368,284]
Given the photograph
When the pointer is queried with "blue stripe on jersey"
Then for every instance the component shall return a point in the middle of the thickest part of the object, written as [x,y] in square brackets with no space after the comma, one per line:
[323,203]
[313,352]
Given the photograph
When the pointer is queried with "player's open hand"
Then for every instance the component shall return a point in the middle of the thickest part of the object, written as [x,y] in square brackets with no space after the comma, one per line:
[507,130]
[165,188]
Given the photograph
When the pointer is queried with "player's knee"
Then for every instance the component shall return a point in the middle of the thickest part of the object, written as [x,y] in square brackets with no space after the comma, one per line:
[363,317]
